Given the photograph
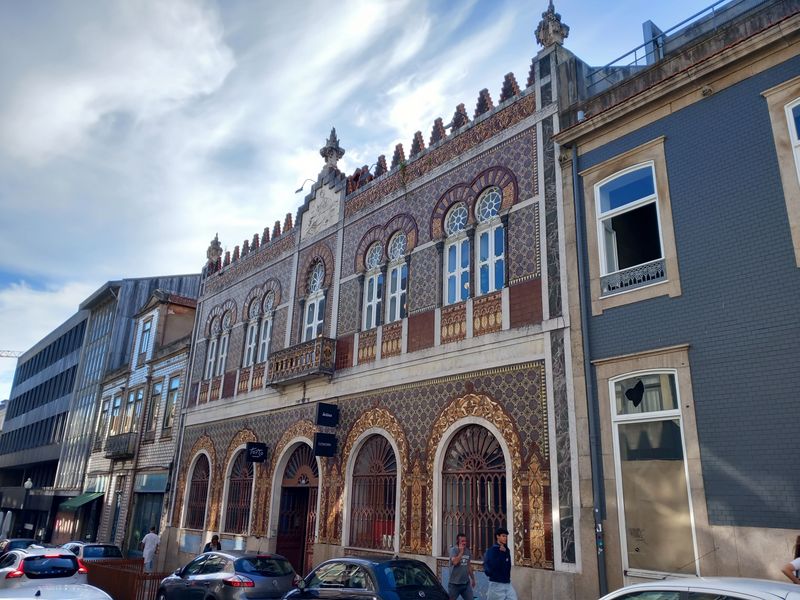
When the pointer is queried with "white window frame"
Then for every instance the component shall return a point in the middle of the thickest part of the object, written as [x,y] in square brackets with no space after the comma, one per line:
[211,358]
[644,417]
[251,343]
[222,355]
[400,294]
[460,241]
[489,228]
[374,281]
[794,135]
[144,339]
[266,335]
[602,217]
[313,328]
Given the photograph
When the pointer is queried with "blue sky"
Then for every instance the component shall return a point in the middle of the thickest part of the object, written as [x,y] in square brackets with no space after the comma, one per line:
[132,132]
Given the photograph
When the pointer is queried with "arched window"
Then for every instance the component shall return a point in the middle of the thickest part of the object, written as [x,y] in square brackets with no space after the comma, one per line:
[473,489]
[490,247]
[268,306]
[456,256]
[373,286]
[224,338]
[251,335]
[198,494]
[374,490]
[398,278]
[240,488]
[211,348]
[315,302]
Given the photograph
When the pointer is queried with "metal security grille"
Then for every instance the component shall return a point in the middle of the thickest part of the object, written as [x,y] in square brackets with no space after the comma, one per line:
[372,510]
[198,492]
[473,489]
[240,487]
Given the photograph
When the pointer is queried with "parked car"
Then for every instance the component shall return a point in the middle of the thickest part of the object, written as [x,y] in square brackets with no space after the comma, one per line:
[93,551]
[56,591]
[389,579]
[230,575]
[707,588]
[9,544]
[31,566]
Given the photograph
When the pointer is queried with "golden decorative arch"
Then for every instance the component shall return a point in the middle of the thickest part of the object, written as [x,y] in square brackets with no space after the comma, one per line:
[304,428]
[203,443]
[380,418]
[473,405]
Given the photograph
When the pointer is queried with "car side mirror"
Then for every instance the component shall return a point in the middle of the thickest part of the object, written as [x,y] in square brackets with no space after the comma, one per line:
[301,585]
[178,571]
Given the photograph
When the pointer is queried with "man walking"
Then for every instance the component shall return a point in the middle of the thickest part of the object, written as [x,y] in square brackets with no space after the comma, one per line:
[497,566]
[150,544]
[462,580]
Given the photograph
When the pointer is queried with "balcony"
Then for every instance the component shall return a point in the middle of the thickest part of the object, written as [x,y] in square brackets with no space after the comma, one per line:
[121,446]
[634,277]
[302,362]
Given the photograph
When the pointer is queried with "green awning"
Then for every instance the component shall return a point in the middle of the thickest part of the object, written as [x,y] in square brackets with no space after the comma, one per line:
[78,501]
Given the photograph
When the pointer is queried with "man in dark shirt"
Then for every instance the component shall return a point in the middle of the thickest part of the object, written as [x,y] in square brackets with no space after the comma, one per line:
[497,567]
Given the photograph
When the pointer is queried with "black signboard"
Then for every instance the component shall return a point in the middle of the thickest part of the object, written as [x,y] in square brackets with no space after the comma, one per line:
[327,415]
[256,452]
[324,444]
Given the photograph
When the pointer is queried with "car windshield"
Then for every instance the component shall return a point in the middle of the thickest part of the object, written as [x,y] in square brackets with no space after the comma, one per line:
[267,566]
[404,575]
[42,567]
[101,552]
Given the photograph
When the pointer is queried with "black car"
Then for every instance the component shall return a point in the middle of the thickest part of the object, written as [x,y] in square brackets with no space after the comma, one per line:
[8,544]
[369,578]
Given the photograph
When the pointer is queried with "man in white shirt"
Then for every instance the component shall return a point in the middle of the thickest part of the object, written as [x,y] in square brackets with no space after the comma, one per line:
[149,545]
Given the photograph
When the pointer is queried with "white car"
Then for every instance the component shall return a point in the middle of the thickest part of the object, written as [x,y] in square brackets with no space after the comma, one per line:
[55,591]
[708,588]
[37,566]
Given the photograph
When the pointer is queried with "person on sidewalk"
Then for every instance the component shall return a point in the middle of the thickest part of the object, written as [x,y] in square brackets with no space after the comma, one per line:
[213,544]
[149,545]
[497,567]
[462,580]
[792,568]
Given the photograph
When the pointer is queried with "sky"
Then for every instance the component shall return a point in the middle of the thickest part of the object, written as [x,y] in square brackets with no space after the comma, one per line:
[133,131]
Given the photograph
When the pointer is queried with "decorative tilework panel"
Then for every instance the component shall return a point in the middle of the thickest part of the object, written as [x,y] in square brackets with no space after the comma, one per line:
[279,329]
[367,346]
[349,294]
[551,219]
[563,450]
[523,244]
[424,280]
[454,323]
[517,154]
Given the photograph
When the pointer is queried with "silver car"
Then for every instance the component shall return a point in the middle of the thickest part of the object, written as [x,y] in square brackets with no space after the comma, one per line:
[708,588]
[230,575]
[35,566]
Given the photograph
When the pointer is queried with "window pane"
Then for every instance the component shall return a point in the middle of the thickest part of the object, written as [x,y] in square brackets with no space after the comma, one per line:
[380,287]
[465,285]
[369,317]
[393,280]
[451,259]
[451,290]
[632,238]
[796,119]
[499,274]
[484,279]
[464,254]
[308,334]
[403,277]
[627,188]
[484,246]
[393,309]
[498,241]
[649,393]
[310,313]
[658,525]
[370,289]
[321,310]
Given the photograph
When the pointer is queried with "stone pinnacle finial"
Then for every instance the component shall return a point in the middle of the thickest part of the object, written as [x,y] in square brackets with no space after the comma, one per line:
[214,249]
[332,151]
[551,30]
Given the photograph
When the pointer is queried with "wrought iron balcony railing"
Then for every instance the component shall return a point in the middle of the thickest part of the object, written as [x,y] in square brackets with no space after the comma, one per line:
[635,277]
[121,446]
[300,362]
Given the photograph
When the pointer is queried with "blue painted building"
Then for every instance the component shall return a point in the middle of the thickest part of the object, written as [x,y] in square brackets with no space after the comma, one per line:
[682,181]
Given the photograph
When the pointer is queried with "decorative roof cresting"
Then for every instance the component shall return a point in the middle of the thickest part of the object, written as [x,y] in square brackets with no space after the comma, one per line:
[551,30]
[332,151]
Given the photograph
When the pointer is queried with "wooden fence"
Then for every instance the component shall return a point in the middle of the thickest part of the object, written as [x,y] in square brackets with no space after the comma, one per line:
[124,579]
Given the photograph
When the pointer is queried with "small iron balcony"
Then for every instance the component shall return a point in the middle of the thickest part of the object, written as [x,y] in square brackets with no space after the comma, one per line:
[301,362]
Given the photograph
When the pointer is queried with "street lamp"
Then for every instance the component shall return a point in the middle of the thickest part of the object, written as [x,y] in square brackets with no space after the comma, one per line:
[27,485]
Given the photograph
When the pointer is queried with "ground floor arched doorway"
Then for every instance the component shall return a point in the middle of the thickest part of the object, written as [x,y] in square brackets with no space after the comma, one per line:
[297,516]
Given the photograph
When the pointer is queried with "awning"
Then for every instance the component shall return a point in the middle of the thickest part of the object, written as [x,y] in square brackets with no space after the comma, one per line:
[78,501]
